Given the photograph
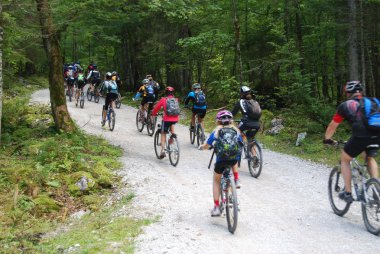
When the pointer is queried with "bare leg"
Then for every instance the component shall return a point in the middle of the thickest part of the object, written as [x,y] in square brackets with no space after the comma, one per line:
[216,186]
[372,167]
[346,170]
[163,141]
[193,120]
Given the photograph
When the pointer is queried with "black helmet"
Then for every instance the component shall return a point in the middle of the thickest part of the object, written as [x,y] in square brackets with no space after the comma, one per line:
[108,75]
[353,86]
[114,73]
[245,89]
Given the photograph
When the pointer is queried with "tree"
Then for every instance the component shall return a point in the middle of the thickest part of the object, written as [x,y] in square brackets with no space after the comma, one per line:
[353,42]
[1,65]
[50,37]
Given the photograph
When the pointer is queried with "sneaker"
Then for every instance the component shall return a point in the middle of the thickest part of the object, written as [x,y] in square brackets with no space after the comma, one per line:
[237,184]
[346,196]
[215,212]
[103,123]
[162,155]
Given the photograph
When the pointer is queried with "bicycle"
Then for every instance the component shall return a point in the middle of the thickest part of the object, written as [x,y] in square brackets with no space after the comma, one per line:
[80,98]
[171,146]
[366,191]
[228,196]
[198,132]
[118,101]
[145,118]
[111,116]
[95,93]
[253,154]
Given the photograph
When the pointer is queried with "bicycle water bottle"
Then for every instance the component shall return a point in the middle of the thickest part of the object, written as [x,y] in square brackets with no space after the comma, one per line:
[108,115]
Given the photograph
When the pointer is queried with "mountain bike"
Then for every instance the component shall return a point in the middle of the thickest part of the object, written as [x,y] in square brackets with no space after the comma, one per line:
[89,93]
[171,146]
[145,118]
[118,101]
[198,132]
[365,190]
[80,98]
[228,197]
[111,116]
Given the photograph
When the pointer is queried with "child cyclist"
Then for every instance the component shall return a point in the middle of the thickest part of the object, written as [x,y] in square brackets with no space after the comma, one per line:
[171,115]
[227,142]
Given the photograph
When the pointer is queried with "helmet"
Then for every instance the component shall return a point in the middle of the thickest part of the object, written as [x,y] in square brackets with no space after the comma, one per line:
[145,81]
[245,89]
[353,86]
[70,66]
[169,89]
[114,73]
[196,86]
[108,75]
[148,76]
[94,66]
[224,116]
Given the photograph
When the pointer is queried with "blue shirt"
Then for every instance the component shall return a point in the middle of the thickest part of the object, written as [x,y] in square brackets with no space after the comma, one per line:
[191,96]
[212,139]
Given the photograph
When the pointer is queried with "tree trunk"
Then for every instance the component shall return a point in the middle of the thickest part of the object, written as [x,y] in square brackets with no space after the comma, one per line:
[352,41]
[362,48]
[1,65]
[299,39]
[50,39]
[237,41]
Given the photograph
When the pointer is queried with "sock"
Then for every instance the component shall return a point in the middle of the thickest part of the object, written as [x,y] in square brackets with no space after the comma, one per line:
[216,202]
[236,175]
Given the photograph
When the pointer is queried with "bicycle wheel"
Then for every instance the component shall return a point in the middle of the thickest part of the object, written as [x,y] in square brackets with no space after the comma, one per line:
[96,97]
[150,124]
[336,185]
[140,121]
[118,102]
[112,120]
[89,94]
[371,208]
[231,206]
[255,163]
[192,135]
[200,135]
[81,102]
[157,141]
[173,151]
[70,94]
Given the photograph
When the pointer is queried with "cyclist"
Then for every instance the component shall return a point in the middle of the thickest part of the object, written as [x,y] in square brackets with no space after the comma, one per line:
[171,115]
[94,78]
[116,78]
[81,82]
[110,88]
[70,76]
[155,85]
[360,138]
[224,121]
[198,99]
[147,93]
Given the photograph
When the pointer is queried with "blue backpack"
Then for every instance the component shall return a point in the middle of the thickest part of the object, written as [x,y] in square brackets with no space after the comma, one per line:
[371,113]
[150,90]
[200,99]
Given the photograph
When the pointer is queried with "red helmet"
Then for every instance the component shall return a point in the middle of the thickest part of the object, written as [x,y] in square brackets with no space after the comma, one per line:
[169,89]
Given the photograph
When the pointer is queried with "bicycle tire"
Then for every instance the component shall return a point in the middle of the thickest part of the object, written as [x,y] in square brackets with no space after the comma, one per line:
[139,124]
[192,135]
[373,204]
[112,120]
[157,140]
[255,171]
[340,207]
[89,94]
[118,101]
[96,97]
[150,124]
[70,95]
[174,152]
[81,102]
[200,135]
[231,206]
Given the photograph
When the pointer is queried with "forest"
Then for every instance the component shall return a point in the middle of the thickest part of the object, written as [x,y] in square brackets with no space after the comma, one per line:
[296,56]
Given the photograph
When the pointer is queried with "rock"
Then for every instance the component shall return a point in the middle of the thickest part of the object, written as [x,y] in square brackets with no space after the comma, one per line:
[84,182]
[275,126]
[301,136]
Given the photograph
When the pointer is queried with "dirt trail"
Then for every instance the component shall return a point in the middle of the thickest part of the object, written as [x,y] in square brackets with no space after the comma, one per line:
[286,210]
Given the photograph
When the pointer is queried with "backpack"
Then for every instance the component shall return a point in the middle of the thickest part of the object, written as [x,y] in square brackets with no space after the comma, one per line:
[150,90]
[95,75]
[200,99]
[81,77]
[112,87]
[371,113]
[251,108]
[172,107]
[227,145]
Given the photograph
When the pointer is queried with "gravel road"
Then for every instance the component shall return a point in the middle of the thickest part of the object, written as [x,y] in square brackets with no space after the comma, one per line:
[286,210]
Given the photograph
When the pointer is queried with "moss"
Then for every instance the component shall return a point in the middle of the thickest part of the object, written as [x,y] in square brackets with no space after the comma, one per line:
[45,204]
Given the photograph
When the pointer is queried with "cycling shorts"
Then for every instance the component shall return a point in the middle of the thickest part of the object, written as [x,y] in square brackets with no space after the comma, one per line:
[250,129]
[109,98]
[201,112]
[219,166]
[70,82]
[95,82]
[166,126]
[357,145]
[146,100]
[80,84]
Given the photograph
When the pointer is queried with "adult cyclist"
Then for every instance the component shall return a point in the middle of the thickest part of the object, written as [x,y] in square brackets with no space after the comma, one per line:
[110,87]
[70,78]
[361,137]
[169,120]
[155,85]
[81,82]
[198,99]
[94,78]
[148,95]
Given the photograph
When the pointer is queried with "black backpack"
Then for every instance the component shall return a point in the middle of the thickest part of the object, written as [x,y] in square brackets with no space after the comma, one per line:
[251,108]
[200,99]
[227,145]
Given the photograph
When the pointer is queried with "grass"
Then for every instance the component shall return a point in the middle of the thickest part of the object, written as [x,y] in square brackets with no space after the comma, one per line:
[39,171]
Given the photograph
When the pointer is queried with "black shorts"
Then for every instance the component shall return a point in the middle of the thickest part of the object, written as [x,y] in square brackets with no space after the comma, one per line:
[70,82]
[109,98]
[221,165]
[146,99]
[80,84]
[250,129]
[166,126]
[356,145]
[95,82]
[201,112]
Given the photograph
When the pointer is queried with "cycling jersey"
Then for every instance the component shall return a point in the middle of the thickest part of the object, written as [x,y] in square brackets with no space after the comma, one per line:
[246,124]
[192,97]
[143,90]
[350,110]
[162,104]
[110,86]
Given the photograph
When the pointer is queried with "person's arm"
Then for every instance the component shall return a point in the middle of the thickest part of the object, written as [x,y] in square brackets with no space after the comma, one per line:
[236,108]
[188,98]
[209,142]
[158,107]
[331,128]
